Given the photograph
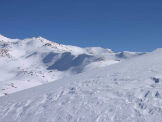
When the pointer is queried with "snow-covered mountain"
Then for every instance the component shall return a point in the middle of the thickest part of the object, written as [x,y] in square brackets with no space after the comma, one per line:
[86,84]
[35,61]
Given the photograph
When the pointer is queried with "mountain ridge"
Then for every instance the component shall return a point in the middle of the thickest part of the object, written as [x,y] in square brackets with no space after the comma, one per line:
[127,91]
[34,61]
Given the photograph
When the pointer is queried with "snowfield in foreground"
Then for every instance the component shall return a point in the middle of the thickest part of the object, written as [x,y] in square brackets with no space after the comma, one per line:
[129,90]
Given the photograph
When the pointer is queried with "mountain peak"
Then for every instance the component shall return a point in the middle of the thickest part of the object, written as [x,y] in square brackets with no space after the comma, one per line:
[40,37]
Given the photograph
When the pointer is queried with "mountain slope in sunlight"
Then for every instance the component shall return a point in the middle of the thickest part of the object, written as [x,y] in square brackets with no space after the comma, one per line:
[35,61]
[127,91]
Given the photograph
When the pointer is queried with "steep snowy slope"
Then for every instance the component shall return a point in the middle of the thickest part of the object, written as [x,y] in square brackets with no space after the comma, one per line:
[35,61]
[124,92]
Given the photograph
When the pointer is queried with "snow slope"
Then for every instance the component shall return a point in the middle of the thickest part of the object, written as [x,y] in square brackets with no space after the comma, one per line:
[34,61]
[127,91]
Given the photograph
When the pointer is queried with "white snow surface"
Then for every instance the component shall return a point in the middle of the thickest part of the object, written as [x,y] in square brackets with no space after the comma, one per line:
[103,87]
[34,61]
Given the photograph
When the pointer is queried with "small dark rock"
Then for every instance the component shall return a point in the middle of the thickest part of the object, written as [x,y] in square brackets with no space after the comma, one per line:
[157,94]
[156,80]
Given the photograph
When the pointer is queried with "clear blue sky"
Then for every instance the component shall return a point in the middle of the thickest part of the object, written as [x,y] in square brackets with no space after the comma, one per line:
[134,25]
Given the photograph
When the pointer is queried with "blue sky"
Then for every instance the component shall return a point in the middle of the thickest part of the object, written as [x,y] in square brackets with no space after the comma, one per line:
[134,25]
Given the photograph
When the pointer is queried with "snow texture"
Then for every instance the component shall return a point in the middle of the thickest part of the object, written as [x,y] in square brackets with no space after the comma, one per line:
[92,87]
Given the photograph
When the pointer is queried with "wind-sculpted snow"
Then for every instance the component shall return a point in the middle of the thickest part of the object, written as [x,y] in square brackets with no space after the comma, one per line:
[126,54]
[67,61]
[129,91]
[49,57]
